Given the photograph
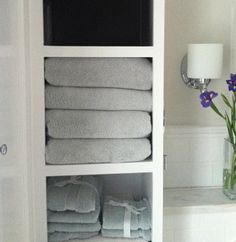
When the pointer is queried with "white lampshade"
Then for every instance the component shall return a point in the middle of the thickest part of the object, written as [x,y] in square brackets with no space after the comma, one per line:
[205,61]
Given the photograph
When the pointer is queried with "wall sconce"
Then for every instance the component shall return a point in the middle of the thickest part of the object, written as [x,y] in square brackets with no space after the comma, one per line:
[202,63]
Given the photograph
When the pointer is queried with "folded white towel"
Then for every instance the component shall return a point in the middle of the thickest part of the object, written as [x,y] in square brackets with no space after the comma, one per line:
[97,98]
[104,239]
[64,124]
[132,73]
[78,151]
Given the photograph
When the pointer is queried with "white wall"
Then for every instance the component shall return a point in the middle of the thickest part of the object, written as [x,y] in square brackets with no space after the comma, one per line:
[193,21]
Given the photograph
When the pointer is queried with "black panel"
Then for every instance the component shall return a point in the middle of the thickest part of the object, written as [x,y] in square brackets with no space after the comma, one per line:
[98,22]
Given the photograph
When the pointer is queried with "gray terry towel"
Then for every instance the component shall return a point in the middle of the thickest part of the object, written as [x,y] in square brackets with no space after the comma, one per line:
[94,180]
[97,98]
[79,151]
[64,124]
[73,228]
[61,236]
[113,233]
[75,197]
[104,239]
[74,217]
[113,216]
[131,73]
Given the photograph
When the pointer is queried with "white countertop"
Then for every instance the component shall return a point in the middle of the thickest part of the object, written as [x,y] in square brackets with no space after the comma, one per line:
[195,200]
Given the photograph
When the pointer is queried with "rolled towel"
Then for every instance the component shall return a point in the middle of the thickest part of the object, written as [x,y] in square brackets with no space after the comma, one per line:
[61,237]
[131,73]
[114,214]
[105,239]
[113,233]
[97,98]
[78,151]
[97,124]
[80,194]
[73,228]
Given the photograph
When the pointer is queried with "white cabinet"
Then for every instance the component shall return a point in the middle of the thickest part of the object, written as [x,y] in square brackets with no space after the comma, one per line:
[14,209]
[198,214]
[148,174]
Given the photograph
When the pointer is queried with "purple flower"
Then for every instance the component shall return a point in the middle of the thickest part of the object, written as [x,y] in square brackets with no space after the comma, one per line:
[232,83]
[206,98]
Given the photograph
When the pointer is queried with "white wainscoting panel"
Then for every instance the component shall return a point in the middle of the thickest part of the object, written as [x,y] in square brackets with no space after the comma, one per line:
[198,215]
[195,156]
[203,227]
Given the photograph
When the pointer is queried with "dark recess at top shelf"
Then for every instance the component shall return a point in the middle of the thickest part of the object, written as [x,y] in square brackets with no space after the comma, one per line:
[98,22]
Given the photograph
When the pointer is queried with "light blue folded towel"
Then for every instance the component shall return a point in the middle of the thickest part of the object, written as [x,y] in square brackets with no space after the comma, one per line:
[131,73]
[74,228]
[145,234]
[105,239]
[73,217]
[97,98]
[79,151]
[61,237]
[113,215]
[78,194]
[63,124]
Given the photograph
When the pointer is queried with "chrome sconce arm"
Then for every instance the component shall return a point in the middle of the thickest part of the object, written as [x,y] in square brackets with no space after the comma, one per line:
[196,83]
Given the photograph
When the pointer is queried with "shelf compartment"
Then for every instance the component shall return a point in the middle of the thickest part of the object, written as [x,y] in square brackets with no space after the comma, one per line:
[119,187]
[82,127]
[98,22]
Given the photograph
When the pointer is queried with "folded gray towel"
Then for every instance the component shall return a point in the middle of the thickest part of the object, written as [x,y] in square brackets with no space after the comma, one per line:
[78,194]
[95,180]
[113,215]
[73,217]
[97,98]
[97,124]
[105,239]
[145,234]
[73,228]
[132,73]
[78,151]
[61,237]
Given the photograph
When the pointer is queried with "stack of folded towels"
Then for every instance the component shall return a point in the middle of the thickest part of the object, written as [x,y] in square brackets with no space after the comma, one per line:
[98,110]
[126,219]
[73,208]
[103,239]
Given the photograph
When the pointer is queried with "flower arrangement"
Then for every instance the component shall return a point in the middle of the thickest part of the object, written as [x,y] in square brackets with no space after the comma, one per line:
[229,116]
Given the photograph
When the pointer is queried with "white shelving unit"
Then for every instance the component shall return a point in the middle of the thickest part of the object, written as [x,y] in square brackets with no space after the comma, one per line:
[152,171]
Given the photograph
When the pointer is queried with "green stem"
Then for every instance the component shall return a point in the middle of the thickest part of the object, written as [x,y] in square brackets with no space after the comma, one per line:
[216,110]
[233,172]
